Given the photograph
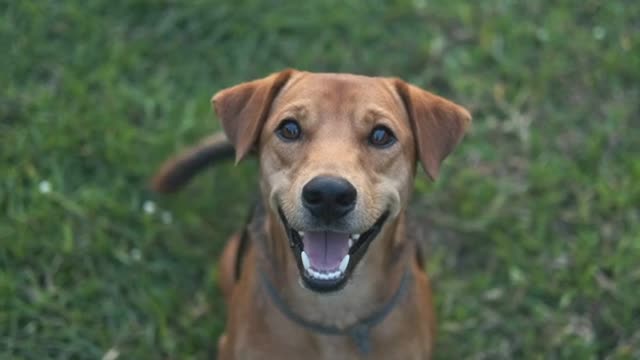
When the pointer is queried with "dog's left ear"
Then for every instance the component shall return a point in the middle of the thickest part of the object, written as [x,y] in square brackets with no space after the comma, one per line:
[438,124]
[243,109]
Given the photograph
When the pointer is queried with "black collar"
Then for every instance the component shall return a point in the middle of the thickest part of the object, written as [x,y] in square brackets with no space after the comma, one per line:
[358,331]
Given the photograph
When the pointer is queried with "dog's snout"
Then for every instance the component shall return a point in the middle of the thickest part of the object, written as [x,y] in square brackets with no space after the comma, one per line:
[328,197]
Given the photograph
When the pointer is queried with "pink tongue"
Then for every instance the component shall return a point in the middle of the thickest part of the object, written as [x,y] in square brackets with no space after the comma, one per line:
[325,249]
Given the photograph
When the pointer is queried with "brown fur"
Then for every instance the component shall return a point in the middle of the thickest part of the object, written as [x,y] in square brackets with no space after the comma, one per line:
[336,113]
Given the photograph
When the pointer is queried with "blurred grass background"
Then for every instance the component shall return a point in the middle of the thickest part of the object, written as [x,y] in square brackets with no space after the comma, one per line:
[533,228]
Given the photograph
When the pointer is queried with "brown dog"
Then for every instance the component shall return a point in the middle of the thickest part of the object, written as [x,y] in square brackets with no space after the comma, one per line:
[326,268]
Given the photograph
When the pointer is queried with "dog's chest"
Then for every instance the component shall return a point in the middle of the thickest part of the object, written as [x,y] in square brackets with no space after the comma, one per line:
[298,344]
[330,351]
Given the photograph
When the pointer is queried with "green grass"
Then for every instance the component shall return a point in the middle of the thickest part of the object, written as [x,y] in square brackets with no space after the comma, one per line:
[533,228]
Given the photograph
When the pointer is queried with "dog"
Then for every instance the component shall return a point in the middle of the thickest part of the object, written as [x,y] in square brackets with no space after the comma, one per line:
[326,267]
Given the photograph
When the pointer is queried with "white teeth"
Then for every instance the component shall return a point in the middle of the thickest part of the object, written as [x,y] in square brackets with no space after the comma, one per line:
[324,276]
[344,263]
[355,237]
[305,261]
[321,275]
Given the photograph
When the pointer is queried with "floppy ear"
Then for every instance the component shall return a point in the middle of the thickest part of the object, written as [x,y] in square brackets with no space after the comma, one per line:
[242,109]
[437,123]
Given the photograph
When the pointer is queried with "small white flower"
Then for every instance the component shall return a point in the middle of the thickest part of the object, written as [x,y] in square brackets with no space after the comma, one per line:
[599,32]
[136,254]
[493,294]
[166,217]
[44,187]
[560,262]
[149,207]
[112,354]
[31,327]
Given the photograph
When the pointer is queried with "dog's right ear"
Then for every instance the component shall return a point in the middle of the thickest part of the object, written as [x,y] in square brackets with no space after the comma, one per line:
[243,109]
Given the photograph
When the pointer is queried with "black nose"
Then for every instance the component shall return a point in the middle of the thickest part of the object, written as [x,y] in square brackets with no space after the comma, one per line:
[328,197]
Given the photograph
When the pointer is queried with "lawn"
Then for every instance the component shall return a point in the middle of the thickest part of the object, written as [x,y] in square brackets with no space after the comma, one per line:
[533,229]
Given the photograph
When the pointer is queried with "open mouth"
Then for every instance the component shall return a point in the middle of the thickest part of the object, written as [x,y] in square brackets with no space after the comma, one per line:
[326,259]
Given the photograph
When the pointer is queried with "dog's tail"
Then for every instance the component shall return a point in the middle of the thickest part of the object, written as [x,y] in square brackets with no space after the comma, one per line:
[177,171]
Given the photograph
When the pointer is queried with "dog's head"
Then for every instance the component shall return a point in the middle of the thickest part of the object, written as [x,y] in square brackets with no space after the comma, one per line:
[337,157]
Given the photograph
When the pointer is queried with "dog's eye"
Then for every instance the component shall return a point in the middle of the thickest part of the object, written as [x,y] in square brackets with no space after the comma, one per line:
[289,130]
[381,137]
